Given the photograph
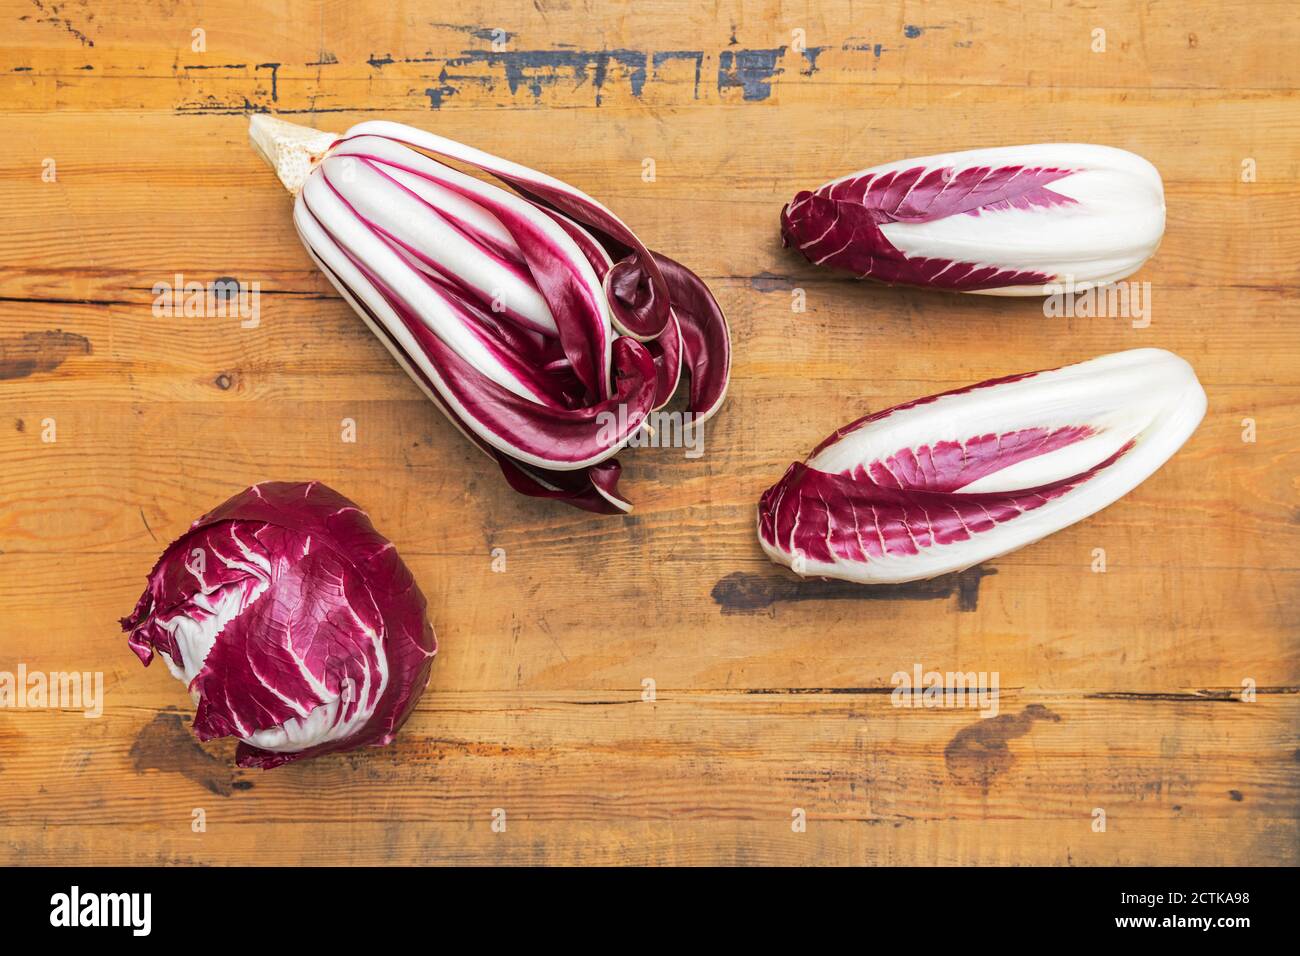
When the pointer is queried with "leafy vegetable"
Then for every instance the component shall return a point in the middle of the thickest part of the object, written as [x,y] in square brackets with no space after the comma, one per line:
[945,482]
[293,622]
[1005,221]
[534,319]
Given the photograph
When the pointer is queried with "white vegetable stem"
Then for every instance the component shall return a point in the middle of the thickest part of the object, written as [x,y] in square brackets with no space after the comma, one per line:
[291,149]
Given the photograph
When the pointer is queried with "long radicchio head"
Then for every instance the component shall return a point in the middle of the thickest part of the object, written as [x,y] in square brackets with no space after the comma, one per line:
[293,622]
[532,316]
[945,482]
[1016,220]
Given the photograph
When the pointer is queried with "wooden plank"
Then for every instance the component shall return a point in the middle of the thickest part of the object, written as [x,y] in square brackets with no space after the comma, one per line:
[1127,690]
[877,783]
[516,630]
[297,56]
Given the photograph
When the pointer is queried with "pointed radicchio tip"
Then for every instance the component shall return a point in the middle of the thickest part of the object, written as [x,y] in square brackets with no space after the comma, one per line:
[292,621]
[1016,220]
[945,482]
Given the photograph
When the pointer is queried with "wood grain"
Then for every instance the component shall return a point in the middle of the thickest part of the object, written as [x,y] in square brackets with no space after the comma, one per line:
[1126,691]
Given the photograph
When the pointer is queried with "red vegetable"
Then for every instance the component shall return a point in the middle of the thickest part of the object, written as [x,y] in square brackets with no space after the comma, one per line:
[945,482]
[1017,220]
[293,622]
[534,318]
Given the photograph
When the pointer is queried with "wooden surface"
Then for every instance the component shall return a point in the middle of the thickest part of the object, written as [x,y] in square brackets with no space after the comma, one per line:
[1120,691]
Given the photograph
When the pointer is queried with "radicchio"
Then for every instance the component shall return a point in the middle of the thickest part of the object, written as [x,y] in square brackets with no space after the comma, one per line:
[535,319]
[293,622]
[1017,220]
[945,482]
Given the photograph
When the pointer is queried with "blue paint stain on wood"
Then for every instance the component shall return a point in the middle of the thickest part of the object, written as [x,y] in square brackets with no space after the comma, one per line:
[667,56]
[810,54]
[490,34]
[752,71]
[535,70]
[875,49]
[448,86]
[275,71]
[912,32]
[437,94]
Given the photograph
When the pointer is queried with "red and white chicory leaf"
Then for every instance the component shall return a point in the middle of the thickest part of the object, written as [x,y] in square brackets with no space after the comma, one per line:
[1015,220]
[945,482]
[292,621]
[534,318]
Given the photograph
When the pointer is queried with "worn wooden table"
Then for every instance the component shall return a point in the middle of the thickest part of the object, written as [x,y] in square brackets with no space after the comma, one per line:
[1124,693]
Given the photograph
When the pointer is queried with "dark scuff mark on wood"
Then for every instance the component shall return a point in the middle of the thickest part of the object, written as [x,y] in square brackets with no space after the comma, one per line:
[52,17]
[313,110]
[225,288]
[780,691]
[166,744]
[875,49]
[770,282]
[742,592]
[978,754]
[605,703]
[145,522]
[1211,696]
[33,352]
[211,106]
[750,71]
[38,300]
[275,72]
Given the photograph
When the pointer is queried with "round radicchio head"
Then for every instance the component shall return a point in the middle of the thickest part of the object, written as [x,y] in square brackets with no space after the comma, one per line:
[293,622]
